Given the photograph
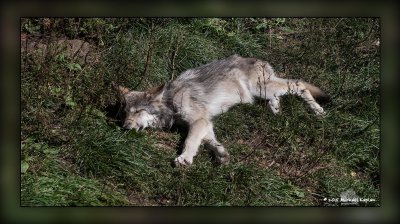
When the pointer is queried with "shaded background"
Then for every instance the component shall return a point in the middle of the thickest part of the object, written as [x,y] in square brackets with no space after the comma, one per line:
[10,95]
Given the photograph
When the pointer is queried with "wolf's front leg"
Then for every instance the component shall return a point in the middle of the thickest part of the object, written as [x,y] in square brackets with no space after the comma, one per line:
[197,131]
[274,105]
[221,154]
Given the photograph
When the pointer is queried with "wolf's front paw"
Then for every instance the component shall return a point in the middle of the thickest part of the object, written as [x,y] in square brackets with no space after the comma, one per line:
[182,161]
[319,111]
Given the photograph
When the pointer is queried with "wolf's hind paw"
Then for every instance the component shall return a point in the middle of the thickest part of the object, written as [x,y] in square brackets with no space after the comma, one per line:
[223,159]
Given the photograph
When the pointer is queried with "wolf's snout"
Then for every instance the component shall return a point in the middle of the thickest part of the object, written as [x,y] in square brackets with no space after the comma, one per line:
[129,126]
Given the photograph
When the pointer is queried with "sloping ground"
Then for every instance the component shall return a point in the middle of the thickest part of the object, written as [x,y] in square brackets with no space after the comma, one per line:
[73,151]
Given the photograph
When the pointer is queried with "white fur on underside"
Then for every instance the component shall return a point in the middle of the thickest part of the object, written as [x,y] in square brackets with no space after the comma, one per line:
[227,94]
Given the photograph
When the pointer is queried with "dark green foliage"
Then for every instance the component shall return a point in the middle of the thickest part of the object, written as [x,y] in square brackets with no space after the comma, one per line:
[74,153]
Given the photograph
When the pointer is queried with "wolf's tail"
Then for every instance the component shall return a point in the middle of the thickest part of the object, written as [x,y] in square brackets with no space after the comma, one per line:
[317,93]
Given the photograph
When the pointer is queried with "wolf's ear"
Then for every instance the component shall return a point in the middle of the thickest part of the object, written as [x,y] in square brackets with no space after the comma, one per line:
[157,93]
[120,89]
[123,90]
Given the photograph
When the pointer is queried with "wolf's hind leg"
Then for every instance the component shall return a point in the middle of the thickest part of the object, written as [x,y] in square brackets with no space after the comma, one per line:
[197,131]
[220,153]
[298,88]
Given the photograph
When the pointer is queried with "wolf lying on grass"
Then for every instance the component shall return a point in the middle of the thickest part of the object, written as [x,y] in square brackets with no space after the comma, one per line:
[199,94]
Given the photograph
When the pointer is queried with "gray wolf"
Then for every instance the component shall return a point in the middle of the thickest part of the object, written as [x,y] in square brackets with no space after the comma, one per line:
[199,94]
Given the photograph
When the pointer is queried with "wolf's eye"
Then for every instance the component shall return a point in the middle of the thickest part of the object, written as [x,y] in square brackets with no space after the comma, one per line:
[140,110]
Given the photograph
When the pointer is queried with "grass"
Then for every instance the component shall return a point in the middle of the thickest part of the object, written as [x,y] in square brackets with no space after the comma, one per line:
[74,153]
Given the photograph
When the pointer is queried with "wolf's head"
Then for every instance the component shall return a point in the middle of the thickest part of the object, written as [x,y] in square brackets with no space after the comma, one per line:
[143,109]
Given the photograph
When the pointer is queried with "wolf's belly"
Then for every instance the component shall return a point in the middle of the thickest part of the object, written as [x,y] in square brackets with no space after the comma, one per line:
[220,102]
